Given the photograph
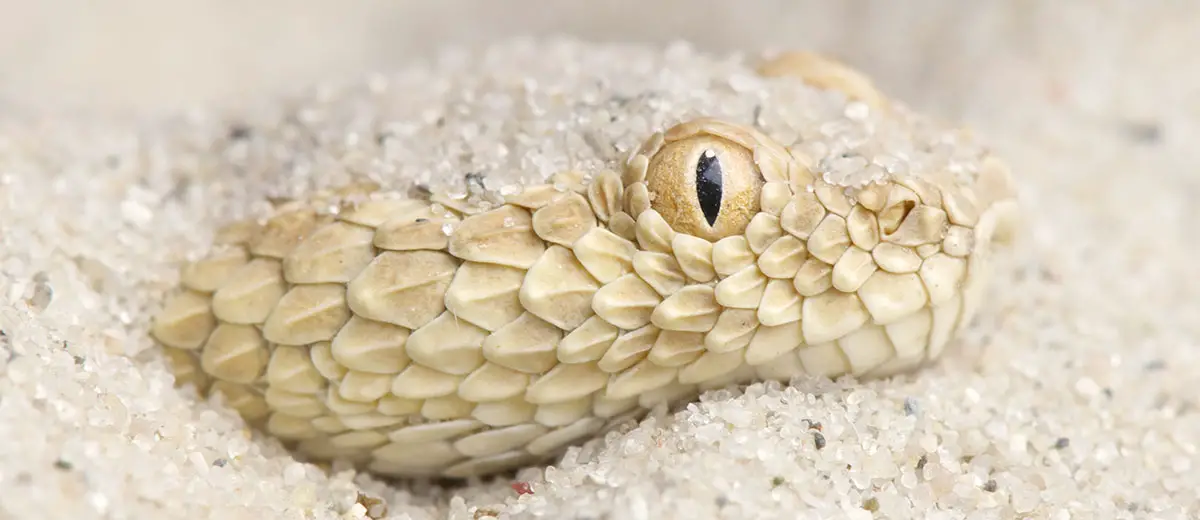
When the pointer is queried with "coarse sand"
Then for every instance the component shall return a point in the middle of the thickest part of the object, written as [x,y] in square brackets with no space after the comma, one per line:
[1070,397]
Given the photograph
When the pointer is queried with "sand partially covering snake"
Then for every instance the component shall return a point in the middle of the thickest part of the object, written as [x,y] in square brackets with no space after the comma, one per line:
[455,333]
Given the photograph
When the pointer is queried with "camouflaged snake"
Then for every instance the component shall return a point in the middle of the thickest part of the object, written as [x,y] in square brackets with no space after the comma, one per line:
[431,336]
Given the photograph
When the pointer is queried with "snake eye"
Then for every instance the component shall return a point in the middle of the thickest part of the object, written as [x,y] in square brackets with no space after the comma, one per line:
[705,185]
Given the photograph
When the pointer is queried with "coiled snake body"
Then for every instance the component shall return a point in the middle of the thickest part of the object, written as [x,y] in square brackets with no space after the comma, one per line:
[436,337]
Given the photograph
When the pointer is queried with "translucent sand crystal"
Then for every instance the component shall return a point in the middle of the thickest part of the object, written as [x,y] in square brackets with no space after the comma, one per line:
[1068,398]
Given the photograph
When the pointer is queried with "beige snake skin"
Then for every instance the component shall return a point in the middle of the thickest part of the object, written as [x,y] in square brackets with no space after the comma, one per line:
[428,337]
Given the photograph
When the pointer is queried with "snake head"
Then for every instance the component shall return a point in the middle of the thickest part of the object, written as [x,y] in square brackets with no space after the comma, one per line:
[871,277]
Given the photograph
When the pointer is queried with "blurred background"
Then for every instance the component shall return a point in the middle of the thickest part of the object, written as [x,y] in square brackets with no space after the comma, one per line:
[150,56]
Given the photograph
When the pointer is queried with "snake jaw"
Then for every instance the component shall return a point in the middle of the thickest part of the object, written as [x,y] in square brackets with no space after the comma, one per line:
[451,337]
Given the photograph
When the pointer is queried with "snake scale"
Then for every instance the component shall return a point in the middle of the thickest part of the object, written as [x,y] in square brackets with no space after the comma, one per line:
[432,336]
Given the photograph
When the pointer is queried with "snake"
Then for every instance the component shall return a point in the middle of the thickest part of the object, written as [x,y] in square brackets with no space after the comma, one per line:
[429,335]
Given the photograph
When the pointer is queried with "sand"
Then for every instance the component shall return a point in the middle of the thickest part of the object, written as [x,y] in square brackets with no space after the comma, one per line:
[1071,396]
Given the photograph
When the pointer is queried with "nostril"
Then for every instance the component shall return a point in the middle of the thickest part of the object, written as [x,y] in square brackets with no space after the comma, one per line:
[892,216]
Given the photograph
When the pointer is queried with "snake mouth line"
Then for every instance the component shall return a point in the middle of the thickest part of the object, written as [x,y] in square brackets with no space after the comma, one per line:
[451,337]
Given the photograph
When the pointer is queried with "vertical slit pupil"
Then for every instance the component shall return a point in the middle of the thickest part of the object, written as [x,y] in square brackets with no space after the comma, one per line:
[708,185]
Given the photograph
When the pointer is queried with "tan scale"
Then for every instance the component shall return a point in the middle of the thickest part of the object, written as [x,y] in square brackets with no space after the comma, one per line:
[211,273]
[433,337]
[675,348]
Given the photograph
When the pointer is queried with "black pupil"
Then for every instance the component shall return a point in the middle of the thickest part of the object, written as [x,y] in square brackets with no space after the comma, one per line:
[708,185]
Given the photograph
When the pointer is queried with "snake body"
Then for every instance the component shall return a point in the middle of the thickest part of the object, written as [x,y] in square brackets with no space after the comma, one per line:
[445,336]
